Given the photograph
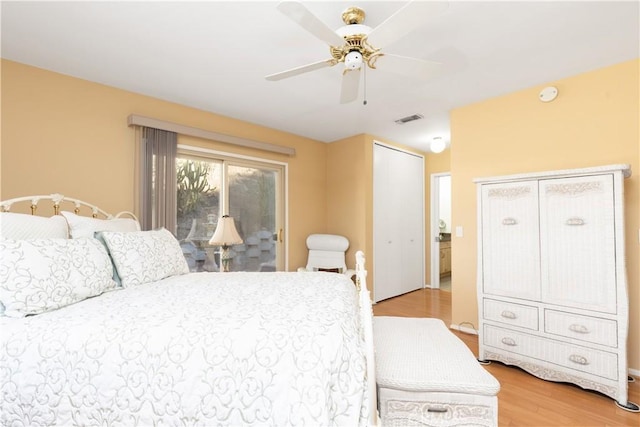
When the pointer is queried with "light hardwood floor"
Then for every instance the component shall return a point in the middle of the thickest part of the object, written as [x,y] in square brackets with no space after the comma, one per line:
[523,400]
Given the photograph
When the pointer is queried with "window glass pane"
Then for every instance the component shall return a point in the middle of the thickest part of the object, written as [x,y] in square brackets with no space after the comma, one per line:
[198,208]
[252,203]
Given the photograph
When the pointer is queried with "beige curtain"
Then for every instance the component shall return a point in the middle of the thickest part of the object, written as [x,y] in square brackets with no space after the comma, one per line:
[158,179]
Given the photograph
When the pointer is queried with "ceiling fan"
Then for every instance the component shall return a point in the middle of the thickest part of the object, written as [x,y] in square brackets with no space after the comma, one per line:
[359,46]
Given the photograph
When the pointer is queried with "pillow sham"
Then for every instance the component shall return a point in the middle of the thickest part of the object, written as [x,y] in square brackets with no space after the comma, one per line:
[40,275]
[145,256]
[18,226]
[82,226]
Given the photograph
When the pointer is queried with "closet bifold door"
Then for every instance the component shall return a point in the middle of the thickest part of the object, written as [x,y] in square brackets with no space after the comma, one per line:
[510,244]
[578,242]
[398,222]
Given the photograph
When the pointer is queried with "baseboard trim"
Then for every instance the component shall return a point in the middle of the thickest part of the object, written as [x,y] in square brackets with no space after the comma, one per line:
[465,329]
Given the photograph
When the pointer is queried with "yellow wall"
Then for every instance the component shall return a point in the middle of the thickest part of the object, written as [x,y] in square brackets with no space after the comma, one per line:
[594,121]
[348,177]
[65,135]
[350,194]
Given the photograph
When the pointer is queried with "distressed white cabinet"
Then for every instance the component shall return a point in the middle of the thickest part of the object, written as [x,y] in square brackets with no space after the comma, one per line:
[552,287]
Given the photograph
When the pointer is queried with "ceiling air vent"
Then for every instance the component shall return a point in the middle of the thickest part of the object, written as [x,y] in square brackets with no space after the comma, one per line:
[409,119]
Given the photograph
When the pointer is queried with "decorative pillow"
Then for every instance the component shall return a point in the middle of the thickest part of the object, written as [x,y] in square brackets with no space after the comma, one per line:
[40,275]
[82,226]
[145,256]
[19,226]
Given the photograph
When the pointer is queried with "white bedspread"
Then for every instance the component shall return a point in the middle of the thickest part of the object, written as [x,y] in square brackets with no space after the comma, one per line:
[201,349]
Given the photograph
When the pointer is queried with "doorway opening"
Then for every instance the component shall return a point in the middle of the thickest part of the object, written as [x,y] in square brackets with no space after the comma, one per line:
[440,231]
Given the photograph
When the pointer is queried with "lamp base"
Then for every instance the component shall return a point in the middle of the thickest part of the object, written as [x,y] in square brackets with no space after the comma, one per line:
[225,259]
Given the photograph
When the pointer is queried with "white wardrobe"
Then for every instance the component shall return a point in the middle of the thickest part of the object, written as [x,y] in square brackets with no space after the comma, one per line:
[552,287]
[398,221]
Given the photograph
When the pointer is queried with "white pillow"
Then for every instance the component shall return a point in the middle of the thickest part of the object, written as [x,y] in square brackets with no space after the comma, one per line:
[19,226]
[145,256]
[83,226]
[39,275]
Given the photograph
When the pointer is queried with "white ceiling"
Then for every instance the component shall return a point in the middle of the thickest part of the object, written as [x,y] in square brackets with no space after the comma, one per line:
[213,55]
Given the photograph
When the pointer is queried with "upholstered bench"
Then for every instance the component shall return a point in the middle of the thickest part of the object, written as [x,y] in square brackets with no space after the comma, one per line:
[427,376]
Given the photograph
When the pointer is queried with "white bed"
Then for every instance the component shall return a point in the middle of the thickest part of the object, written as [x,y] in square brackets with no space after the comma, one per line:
[188,349]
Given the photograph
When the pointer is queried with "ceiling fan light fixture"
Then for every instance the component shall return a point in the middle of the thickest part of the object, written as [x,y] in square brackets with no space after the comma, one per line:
[437,145]
[353,60]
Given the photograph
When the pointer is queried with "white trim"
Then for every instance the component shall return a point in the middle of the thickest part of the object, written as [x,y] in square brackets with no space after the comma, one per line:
[624,168]
[464,329]
[434,202]
[228,154]
[136,120]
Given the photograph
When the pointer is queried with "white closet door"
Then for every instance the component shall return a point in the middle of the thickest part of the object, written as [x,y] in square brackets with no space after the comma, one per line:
[578,242]
[398,222]
[510,240]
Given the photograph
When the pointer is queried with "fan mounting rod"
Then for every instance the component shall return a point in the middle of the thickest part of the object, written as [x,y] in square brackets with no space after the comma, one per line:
[355,35]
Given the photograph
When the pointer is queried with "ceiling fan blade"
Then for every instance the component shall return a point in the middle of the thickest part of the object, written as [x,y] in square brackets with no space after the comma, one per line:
[350,86]
[301,70]
[297,12]
[405,20]
[411,67]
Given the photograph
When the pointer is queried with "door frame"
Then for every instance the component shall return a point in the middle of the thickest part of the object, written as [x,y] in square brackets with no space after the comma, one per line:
[434,227]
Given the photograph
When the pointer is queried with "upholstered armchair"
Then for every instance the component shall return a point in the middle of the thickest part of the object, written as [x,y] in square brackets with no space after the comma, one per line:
[327,253]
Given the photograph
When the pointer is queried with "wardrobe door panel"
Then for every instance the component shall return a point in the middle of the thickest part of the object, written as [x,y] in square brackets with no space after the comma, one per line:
[578,242]
[510,246]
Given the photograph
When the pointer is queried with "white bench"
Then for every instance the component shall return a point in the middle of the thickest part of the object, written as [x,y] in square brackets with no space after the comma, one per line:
[426,376]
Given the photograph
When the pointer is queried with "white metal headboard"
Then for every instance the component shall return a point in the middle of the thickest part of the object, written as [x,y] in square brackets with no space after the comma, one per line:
[57,199]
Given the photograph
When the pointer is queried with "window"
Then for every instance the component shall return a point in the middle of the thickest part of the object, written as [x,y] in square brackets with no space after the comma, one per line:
[251,191]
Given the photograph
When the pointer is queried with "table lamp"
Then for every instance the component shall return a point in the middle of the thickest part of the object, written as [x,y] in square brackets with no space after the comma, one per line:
[225,236]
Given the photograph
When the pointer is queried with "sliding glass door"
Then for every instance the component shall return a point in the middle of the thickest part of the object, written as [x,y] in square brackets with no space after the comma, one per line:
[249,191]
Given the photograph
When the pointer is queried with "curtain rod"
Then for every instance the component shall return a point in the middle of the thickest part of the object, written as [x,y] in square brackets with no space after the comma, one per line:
[136,120]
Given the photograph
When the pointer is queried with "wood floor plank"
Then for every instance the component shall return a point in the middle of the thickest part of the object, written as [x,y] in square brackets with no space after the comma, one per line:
[523,400]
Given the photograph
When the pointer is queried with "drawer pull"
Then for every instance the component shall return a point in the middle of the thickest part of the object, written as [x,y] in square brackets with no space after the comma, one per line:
[580,360]
[508,314]
[509,221]
[439,410]
[508,341]
[580,329]
[575,221]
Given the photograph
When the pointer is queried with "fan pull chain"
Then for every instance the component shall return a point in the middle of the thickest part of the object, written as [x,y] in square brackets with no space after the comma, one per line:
[364,72]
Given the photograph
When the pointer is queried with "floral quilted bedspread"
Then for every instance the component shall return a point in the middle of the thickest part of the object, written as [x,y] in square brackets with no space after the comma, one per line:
[200,349]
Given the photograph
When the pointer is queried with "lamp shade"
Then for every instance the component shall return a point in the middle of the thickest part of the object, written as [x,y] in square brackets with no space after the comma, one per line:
[226,233]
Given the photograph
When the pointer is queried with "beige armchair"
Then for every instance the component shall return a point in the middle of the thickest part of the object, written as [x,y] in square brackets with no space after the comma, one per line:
[327,253]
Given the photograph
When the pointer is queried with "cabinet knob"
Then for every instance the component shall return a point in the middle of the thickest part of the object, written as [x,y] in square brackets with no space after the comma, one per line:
[508,341]
[509,221]
[581,329]
[575,221]
[508,314]
[580,360]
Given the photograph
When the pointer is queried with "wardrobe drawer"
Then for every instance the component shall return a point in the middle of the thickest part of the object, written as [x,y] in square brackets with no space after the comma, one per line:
[584,328]
[578,358]
[524,316]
